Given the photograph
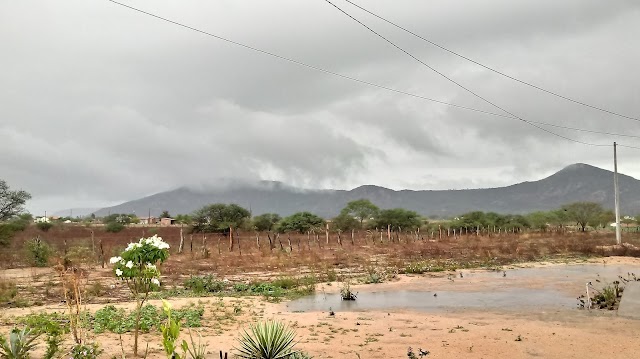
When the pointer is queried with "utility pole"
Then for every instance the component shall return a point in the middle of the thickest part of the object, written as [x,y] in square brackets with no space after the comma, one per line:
[616,195]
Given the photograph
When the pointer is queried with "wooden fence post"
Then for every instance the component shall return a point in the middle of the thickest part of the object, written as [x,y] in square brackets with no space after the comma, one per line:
[101,254]
[326,231]
[181,241]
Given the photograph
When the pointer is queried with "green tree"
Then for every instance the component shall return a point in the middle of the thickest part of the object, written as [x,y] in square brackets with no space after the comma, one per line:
[345,222]
[266,221]
[11,202]
[361,209]
[165,214]
[10,227]
[607,216]
[558,217]
[541,220]
[476,219]
[300,222]
[219,217]
[183,219]
[120,218]
[398,218]
[515,221]
[584,213]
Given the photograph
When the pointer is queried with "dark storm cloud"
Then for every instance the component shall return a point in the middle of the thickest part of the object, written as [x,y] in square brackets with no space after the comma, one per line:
[101,104]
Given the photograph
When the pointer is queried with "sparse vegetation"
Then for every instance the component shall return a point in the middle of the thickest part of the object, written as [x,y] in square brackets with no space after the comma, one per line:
[374,256]
[346,293]
[19,344]
[266,340]
[39,252]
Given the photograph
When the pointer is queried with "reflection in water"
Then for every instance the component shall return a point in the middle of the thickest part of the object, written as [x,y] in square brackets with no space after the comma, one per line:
[495,292]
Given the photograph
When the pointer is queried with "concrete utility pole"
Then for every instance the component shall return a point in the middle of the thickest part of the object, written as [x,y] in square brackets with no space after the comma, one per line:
[616,195]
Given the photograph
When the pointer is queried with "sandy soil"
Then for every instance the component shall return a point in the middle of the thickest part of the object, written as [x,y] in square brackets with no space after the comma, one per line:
[497,333]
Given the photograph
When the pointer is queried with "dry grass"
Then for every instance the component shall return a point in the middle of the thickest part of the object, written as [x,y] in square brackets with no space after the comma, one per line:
[310,253]
[306,255]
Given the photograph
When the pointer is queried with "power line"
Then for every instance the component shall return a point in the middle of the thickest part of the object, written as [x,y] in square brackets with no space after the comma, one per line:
[316,68]
[313,67]
[457,83]
[585,130]
[492,69]
[627,146]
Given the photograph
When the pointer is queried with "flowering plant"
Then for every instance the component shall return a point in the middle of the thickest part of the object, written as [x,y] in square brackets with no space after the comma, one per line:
[85,351]
[136,266]
[137,263]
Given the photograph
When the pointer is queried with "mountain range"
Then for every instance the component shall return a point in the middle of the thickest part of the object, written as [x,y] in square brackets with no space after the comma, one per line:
[577,182]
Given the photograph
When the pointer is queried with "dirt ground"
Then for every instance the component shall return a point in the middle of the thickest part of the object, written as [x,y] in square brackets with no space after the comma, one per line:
[544,332]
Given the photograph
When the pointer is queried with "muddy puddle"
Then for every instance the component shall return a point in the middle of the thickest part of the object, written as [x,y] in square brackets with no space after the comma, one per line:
[545,288]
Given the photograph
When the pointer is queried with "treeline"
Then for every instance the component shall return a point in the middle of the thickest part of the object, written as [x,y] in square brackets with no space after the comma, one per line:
[362,214]
[357,215]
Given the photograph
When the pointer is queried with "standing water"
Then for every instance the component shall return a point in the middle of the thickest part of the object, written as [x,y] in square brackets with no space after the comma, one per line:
[553,287]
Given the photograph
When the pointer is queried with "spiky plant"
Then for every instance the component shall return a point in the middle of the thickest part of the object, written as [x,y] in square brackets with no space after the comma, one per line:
[20,343]
[267,340]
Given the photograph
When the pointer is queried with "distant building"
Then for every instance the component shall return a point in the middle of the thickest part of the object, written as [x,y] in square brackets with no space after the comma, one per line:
[167,221]
[148,220]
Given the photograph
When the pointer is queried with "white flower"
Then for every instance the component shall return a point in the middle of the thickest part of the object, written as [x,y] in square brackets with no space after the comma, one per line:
[118,272]
[129,264]
[151,266]
[155,281]
[155,241]
[115,260]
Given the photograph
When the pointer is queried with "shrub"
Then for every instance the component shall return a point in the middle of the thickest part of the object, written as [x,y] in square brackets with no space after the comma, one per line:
[424,267]
[119,321]
[110,319]
[266,340]
[85,351]
[241,287]
[114,227]
[20,343]
[204,284]
[285,283]
[44,226]
[6,234]
[39,252]
[8,291]
[51,323]
[8,229]
[346,293]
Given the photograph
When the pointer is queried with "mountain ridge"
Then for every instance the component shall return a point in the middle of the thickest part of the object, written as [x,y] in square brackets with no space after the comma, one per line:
[576,182]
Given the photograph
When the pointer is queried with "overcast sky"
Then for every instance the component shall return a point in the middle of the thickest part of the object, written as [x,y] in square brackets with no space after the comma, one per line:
[100,104]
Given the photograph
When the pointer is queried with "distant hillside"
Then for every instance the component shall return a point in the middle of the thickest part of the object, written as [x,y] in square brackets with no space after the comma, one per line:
[578,182]
[75,212]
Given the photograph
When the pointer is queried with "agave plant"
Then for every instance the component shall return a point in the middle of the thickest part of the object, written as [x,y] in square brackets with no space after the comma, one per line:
[267,340]
[19,345]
